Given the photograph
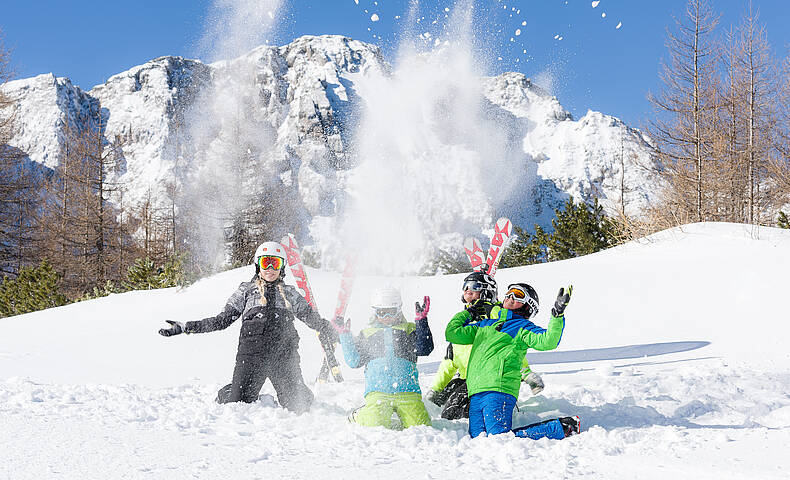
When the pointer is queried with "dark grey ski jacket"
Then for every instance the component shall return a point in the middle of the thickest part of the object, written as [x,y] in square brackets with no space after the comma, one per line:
[267,320]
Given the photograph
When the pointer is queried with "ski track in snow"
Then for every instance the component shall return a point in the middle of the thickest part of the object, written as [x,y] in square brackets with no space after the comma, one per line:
[662,414]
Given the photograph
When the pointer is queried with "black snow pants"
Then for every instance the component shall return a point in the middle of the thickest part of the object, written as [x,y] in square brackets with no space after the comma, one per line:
[281,367]
[457,404]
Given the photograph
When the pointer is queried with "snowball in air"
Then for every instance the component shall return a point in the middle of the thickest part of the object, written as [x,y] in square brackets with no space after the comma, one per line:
[595,3]
[518,32]
[603,15]
[374,18]
[619,25]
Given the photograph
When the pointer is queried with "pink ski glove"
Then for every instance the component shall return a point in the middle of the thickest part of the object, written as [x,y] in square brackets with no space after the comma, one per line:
[421,311]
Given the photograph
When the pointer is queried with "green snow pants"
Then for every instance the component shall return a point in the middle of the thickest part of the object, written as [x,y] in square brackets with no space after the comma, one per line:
[379,408]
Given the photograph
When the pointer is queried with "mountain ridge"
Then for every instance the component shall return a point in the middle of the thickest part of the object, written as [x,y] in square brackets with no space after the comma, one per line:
[295,110]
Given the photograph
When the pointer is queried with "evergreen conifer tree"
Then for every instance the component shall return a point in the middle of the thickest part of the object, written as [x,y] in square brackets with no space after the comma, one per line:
[144,274]
[33,289]
[579,229]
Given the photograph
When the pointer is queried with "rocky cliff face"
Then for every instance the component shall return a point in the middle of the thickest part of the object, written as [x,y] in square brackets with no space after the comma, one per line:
[283,119]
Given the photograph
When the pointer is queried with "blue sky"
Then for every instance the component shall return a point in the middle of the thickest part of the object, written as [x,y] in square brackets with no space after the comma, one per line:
[589,63]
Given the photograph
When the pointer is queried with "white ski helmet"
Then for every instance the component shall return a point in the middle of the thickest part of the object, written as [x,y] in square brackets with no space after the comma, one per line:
[386,297]
[269,248]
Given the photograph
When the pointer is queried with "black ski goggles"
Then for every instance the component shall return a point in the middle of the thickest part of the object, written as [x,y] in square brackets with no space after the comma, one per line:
[474,286]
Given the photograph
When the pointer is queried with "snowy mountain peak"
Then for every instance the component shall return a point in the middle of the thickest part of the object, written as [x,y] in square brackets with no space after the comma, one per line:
[517,94]
[46,105]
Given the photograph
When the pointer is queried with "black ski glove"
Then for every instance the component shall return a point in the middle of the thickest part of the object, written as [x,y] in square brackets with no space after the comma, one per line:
[174,329]
[435,397]
[478,308]
[341,325]
[562,301]
[328,336]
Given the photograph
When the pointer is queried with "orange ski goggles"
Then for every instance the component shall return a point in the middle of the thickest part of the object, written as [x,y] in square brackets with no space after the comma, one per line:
[517,294]
[270,261]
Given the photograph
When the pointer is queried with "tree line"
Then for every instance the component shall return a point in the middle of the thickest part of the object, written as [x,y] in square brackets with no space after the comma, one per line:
[722,124]
[61,237]
[721,135]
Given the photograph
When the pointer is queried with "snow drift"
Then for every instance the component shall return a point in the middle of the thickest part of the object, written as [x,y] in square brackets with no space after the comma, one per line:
[674,356]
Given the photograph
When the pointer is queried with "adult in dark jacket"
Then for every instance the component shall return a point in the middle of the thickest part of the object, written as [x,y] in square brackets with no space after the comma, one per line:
[268,341]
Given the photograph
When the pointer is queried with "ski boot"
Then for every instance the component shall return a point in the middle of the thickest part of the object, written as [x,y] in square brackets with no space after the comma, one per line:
[571,425]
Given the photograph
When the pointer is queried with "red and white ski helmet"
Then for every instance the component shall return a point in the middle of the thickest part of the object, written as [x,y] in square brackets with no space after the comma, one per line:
[269,248]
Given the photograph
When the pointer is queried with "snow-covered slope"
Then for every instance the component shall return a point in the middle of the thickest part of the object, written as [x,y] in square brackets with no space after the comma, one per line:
[674,355]
[292,116]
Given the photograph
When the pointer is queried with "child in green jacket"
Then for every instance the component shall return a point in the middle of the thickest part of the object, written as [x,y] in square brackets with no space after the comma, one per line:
[449,387]
[499,343]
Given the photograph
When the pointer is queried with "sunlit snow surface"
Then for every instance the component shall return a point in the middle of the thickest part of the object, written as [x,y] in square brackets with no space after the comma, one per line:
[91,391]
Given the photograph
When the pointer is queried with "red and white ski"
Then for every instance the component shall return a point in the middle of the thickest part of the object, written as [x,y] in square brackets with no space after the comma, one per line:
[346,283]
[474,251]
[503,230]
[343,296]
[297,269]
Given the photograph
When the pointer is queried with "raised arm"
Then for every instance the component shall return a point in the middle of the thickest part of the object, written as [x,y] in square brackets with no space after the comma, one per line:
[547,339]
[550,338]
[456,332]
[423,337]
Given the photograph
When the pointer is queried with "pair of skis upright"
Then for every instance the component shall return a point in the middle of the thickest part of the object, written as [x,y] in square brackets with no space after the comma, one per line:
[503,230]
[294,260]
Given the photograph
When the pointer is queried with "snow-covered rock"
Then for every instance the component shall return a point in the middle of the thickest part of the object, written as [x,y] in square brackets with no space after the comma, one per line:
[147,106]
[45,106]
[586,158]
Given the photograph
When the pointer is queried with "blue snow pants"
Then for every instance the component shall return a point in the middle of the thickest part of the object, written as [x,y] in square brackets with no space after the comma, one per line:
[492,412]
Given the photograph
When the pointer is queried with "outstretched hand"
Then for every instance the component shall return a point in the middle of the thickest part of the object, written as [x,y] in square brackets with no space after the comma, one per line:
[421,311]
[174,329]
[563,298]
